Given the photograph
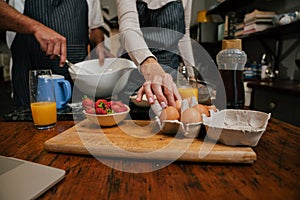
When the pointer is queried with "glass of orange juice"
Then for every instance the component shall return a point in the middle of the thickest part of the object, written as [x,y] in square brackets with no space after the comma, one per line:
[42,99]
[188,92]
[187,88]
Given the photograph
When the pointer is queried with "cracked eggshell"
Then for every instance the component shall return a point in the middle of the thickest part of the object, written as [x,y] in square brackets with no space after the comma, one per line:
[236,127]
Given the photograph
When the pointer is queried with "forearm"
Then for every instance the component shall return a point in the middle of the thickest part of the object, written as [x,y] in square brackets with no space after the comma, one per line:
[12,20]
[51,42]
[149,66]
[96,36]
[131,34]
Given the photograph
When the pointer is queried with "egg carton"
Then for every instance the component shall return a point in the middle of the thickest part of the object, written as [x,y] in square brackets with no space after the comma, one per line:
[236,127]
[174,127]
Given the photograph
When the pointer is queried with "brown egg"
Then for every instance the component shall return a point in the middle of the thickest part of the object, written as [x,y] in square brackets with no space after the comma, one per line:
[191,115]
[169,113]
[212,107]
[178,105]
[202,109]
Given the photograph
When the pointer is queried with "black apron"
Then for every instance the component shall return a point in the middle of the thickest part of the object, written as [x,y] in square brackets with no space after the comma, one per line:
[70,19]
[163,41]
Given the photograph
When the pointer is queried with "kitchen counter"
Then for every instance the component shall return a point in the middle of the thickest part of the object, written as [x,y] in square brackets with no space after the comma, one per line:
[24,114]
[278,97]
[71,112]
[282,86]
[274,175]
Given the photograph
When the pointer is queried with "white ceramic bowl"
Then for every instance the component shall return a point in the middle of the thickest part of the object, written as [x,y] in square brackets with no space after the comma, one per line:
[102,81]
[107,120]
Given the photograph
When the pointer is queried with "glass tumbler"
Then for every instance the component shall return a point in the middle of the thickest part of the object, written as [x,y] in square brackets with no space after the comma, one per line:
[186,87]
[42,99]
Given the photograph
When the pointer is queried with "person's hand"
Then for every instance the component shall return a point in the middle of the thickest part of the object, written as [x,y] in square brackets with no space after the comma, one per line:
[100,52]
[52,43]
[158,83]
[97,39]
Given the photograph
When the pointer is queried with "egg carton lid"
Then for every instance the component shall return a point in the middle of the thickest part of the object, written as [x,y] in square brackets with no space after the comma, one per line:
[236,127]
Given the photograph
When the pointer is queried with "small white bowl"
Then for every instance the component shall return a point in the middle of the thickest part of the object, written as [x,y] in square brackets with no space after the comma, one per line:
[109,119]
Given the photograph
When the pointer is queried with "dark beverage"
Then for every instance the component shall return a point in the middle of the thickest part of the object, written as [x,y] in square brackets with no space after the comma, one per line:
[231,61]
[297,61]
[234,87]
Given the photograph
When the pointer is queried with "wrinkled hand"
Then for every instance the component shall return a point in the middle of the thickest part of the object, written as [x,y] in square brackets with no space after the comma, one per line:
[158,83]
[52,43]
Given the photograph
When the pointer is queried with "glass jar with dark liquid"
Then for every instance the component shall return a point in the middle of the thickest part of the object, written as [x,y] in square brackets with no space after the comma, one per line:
[231,61]
[297,59]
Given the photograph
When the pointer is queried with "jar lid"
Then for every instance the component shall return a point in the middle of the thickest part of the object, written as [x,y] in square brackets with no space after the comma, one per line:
[232,44]
[202,17]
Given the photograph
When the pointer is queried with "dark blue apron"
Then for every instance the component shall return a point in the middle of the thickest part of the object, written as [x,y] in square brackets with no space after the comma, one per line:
[70,19]
[162,42]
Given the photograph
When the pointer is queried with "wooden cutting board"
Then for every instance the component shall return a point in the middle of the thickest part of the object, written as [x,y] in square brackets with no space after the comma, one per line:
[143,140]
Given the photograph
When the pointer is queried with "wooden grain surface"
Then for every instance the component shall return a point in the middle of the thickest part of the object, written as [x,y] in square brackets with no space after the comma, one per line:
[274,175]
[143,140]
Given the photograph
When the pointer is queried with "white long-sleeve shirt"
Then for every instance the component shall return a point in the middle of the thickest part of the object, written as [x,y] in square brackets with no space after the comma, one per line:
[95,18]
[132,36]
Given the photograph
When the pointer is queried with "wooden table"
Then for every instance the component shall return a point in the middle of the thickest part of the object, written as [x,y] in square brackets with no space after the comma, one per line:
[275,174]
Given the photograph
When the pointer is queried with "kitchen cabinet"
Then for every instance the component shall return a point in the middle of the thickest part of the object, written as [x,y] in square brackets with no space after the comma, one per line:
[276,34]
[278,97]
[228,6]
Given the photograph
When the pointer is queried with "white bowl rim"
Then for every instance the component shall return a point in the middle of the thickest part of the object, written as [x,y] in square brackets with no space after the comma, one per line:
[79,66]
[110,114]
